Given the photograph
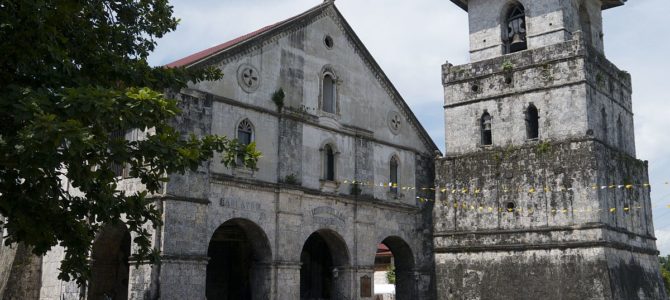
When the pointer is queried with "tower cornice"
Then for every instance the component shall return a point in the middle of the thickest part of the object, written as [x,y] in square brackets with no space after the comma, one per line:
[606,3]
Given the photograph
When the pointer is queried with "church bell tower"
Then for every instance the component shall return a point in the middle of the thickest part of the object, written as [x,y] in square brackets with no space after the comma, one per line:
[540,194]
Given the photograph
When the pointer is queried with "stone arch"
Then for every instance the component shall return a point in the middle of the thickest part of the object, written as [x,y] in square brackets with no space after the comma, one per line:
[404,266]
[109,263]
[239,264]
[325,266]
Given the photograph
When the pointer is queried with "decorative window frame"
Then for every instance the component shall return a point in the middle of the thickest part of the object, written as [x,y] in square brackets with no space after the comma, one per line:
[328,185]
[241,170]
[251,126]
[323,176]
[329,71]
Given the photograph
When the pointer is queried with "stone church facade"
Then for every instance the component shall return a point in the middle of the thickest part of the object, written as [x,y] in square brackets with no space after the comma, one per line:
[296,227]
[538,196]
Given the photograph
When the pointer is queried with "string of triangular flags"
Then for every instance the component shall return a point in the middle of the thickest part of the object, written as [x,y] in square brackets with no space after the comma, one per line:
[474,207]
[460,188]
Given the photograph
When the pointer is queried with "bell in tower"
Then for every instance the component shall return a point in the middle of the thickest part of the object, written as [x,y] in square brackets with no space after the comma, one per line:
[557,205]
[515,38]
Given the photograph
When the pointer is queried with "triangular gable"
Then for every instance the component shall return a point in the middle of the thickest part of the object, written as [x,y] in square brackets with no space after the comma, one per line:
[249,38]
[241,43]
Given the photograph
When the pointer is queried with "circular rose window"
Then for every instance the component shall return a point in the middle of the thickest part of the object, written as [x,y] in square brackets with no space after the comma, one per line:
[394,121]
[248,78]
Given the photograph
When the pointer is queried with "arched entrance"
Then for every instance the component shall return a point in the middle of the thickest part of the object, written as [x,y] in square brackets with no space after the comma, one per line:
[394,269]
[323,273]
[239,262]
[109,264]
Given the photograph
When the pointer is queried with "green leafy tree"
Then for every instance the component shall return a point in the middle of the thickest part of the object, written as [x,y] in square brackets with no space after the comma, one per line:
[390,274]
[73,74]
[665,271]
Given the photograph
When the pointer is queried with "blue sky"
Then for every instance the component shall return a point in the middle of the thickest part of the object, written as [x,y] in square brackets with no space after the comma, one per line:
[412,39]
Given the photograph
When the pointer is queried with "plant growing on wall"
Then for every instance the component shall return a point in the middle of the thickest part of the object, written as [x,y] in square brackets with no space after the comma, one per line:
[543,148]
[278,98]
[664,263]
[507,66]
[291,179]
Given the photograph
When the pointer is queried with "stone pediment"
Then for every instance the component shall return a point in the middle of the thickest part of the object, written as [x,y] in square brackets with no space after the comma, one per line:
[245,44]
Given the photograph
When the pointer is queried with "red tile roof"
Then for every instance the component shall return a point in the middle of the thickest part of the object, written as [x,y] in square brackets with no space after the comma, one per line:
[218,48]
[193,58]
[383,250]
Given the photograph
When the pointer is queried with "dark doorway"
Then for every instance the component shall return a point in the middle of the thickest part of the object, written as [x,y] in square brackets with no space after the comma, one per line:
[322,259]
[394,255]
[316,273]
[109,264]
[239,262]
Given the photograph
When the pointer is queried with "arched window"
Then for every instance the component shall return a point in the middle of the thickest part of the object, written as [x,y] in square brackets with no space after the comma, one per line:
[603,124]
[329,163]
[514,29]
[329,94]
[585,24]
[487,137]
[393,176]
[245,135]
[619,133]
[245,132]
[532,122]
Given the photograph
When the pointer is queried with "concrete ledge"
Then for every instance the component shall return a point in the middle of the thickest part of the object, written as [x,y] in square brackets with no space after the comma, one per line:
[542,229]
[545,246]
